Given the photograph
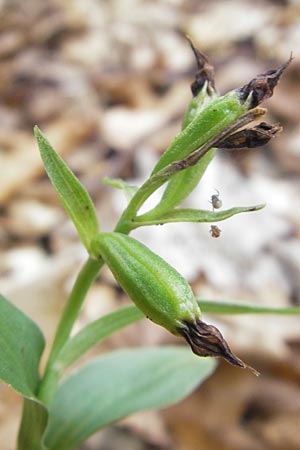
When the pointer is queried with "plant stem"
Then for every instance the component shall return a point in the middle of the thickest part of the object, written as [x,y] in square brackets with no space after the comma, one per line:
[33,423]
[126,222]
[84,280]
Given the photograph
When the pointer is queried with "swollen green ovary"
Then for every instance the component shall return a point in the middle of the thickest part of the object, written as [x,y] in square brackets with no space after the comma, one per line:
[167,303]
[161,293]
[213,119]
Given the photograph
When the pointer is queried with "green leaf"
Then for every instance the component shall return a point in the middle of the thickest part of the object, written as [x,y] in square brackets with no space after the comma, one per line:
[220,307]
[193,215]
[118,183]
[96,332]
[118,384]
[33,424]
[72,194]
[21,347]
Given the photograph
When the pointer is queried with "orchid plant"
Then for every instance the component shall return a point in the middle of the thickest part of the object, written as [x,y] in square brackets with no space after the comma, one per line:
[62,407]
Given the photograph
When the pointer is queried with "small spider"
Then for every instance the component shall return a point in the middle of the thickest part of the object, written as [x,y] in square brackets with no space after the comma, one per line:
[215,231]
[216,201]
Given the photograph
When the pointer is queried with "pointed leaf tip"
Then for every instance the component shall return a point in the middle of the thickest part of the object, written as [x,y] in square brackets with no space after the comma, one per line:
[71,192]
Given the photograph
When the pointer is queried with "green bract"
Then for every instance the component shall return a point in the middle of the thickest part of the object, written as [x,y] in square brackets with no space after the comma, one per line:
[72,194]
[160,292]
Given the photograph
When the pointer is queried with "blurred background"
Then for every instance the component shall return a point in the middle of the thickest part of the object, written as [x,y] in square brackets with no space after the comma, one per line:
[108,82]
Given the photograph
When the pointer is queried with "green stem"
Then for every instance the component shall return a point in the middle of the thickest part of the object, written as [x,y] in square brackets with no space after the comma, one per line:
[84,280]
[126,222]
[33,424]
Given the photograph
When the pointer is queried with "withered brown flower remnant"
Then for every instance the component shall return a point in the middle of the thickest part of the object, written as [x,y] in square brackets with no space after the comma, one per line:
[262,86]
[259,89]
[251,137]
[207,340]
[205,71]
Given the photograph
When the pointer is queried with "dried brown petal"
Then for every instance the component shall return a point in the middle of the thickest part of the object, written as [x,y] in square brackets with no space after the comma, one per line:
[251,137]
[205,71]
[262,86]
[206,340]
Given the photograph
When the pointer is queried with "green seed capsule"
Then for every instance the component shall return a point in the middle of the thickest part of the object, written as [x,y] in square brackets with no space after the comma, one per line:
[161,293]
[182,184]
[216,116]
[153,285]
